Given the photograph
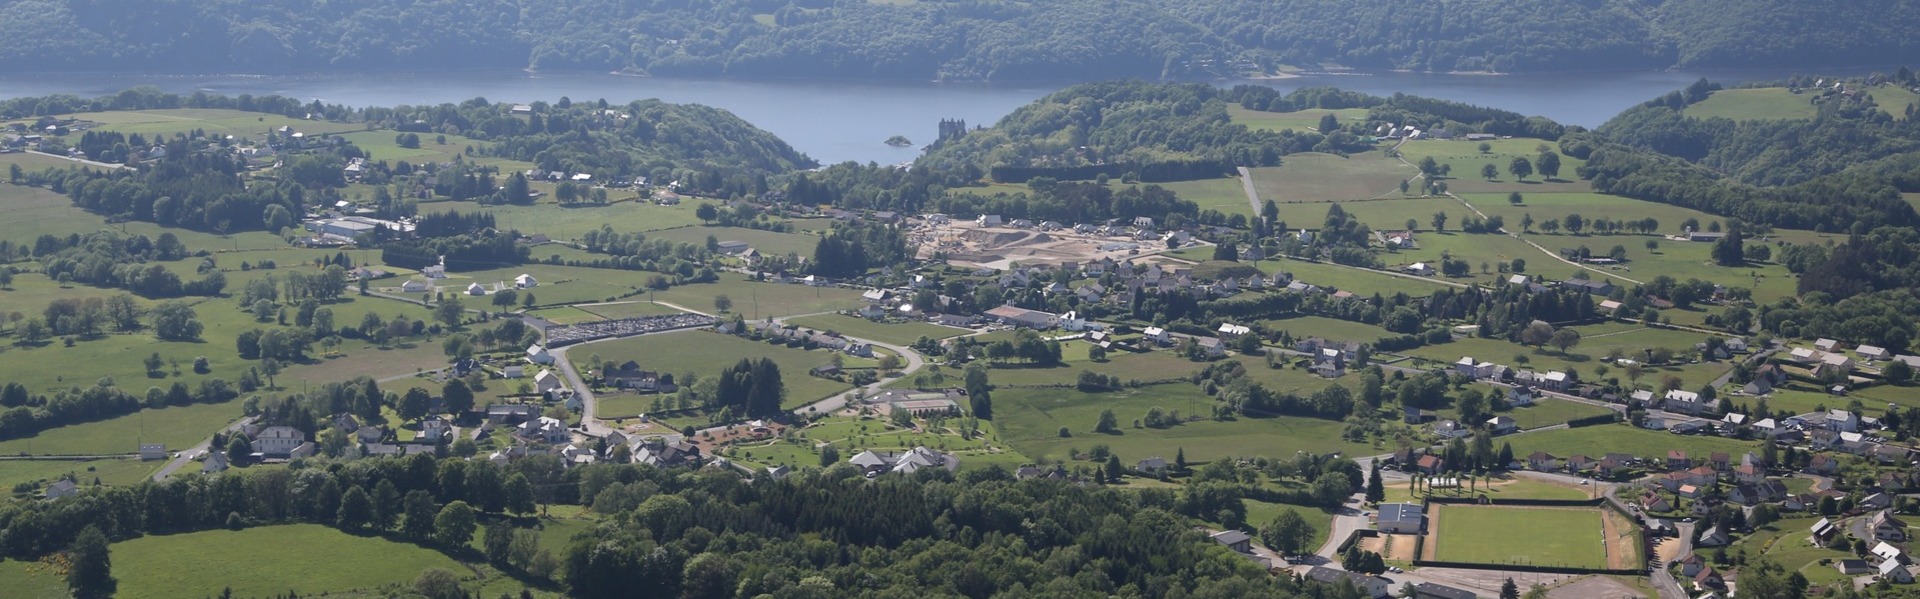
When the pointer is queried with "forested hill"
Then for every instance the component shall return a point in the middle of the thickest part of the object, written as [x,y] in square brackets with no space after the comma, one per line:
[948,39]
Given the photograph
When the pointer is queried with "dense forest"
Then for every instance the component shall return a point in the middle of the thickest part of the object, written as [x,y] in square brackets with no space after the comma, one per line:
[948,39]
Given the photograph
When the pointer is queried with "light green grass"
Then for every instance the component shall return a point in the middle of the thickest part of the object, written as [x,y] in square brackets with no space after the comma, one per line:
[1596,441]
[851,436]
[1548,412]
[566,315]
[1785,542]
[1509,487]
[1030,420]
[767,242]
[1298,120]
[706,353]
[557,284]
[278,559]
[1328,328]
[108,472]
[1315,177]
[215,121]
[1464,161]
[1380,215]
[759,300]
[897,333]
[1893,99]
[1586,356]
[1225,194]
[380,146]
[1491,250]
[1756,104]
[1502,535]
[32,579]
[1557,205]
[1145,367]
[628,309]
[178,427]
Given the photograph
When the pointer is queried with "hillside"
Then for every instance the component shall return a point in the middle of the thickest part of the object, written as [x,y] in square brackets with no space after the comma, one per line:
[948,40]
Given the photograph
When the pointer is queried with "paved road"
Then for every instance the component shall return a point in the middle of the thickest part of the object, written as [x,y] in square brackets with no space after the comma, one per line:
[186,455]
[1253,195]
[829,405]
[80,160]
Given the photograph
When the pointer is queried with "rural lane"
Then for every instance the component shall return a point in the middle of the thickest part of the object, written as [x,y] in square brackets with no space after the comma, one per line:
[185,456]
[829,405]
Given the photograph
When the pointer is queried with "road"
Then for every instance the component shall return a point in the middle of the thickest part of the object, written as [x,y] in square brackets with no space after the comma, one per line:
[1253,195]
[186,456]
[81,160]
[829,405]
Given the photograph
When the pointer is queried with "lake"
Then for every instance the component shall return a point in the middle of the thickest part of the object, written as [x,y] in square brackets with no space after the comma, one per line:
[836,121]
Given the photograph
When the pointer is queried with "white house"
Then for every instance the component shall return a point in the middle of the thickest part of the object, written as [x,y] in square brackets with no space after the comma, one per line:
[988,220]
[1072,321]
[476,289]
[278,440]
[1158,335]
[524,281]
[1419,268]
[546,381]
[538,355]
[1825,344]
[544,428]
[1501,425]
[1229,330]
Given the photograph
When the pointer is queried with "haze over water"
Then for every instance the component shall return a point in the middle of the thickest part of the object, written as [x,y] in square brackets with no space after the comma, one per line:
[836,121]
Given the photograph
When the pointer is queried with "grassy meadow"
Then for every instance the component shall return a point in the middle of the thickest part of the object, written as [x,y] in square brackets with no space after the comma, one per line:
[1756,104]
[897,333]
[705,353]
[201,563]
[1314,177]
[1030,421]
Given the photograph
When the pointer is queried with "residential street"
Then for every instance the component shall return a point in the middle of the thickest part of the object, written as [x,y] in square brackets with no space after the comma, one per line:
[186,455]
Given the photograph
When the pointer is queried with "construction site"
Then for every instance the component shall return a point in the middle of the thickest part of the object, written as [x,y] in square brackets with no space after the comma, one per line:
[966,243]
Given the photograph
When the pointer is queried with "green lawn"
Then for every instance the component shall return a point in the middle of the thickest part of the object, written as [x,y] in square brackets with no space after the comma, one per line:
[1259,513]
[1225,194]
[1329,328]
[769,243]
[1507,535]
[380,145]
[109,472]
[851,436]
[1785,542]
[215,121]
[704,353]
[1315,177]
[1586,357]
[557,284]
[897,333]
[278,559]
[567,315]
[1757,104]
[178,427]
[1595,441]
[759,300]
[1464,161]
[1547,412]
[1490,251]
[1145,366]
[1030,420]
[1298,120]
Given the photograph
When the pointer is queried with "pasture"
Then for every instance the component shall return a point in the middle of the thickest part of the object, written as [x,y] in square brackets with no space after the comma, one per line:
[1623,438]
[556,284]
[1224,194]
[1490,250]
[897,333]
[1893,99]
[179,427]
[626,309]
[1360,281]
[705,353]
[1464,161]
[770,243]
[200,564]
[1298,120]
[381,146]
[1329,328]
[850,436]
[1564,537]
[108,472]
[758,300]
[1030,421]
[1315,177]
[1380,215]
[1586,357]
[214,121]
[1756,104]
[1558,205]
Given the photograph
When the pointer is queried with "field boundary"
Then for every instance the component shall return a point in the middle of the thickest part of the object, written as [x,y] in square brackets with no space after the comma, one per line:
[1428,544]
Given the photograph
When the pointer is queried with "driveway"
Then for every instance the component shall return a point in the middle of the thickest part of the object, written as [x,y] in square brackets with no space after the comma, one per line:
[185,456]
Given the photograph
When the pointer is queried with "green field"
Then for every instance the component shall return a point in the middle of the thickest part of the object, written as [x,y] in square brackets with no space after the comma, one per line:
[626,309]
[705,353]
[1144,367]
[1298,120]
[1511,487]
[32,579]
[567,315]
[1595,441]
[1226,194]
[278,559]
[1530,535]
[1757,104]
[1380,215]
[1558,205]
[897,333]
[759,300]
[1464,161]
[1493,249]
[1030,420]
[1893,99]
[1785,542]
[178,427]
[1598,341]
[851,436]
[767,242]
[108,472]
[557,284]
[1548,412]
[1328,328]
[380,146]
[1314,177]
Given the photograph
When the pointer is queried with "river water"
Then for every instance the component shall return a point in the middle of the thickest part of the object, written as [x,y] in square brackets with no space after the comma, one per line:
[835,121]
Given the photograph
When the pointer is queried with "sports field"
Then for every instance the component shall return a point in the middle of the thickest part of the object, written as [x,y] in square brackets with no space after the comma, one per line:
[1539,536]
